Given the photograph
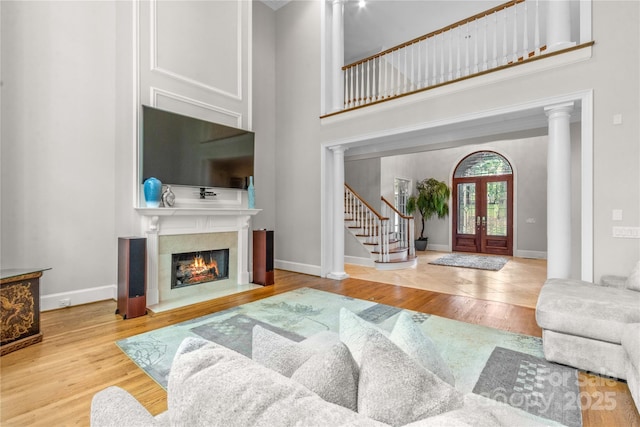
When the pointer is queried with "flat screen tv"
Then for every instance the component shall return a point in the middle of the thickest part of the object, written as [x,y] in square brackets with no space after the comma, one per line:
[182,150]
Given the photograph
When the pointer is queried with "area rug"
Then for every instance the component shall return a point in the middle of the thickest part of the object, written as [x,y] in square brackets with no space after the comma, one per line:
[480,262]
[483,360]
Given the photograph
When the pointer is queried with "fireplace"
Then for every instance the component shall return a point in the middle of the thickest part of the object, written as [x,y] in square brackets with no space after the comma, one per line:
[193,268]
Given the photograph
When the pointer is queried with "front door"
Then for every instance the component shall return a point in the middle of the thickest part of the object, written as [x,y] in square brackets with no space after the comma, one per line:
[483,206]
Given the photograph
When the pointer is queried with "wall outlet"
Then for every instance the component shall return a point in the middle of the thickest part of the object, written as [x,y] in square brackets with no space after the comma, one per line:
[66,302]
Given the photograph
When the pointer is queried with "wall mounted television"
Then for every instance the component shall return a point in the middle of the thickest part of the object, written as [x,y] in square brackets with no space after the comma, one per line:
[182,150]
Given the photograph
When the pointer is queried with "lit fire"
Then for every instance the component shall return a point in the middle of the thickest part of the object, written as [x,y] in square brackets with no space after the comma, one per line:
[198,270]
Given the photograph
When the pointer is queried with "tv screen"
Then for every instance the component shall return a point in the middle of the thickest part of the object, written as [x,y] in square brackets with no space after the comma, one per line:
[182,150]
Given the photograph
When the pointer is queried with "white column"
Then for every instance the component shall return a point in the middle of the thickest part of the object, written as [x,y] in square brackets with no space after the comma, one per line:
[337,264]
[558,25]
[559,191]
[337,56]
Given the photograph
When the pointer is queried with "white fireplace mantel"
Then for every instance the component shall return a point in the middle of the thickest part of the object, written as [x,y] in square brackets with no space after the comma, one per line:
[156,222]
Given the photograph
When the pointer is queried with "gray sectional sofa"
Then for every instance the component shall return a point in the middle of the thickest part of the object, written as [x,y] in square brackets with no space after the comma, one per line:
[359,377]
[594,327]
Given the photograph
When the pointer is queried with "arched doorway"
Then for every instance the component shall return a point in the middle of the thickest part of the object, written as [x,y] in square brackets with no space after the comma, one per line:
[483,204]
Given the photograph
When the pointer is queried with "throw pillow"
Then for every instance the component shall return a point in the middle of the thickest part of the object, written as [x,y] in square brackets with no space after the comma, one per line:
[395,389]
[408,336]
[331,374]
[633,281]
[353,332]
[277,352]
[321,363]
[213,385]
[405,334]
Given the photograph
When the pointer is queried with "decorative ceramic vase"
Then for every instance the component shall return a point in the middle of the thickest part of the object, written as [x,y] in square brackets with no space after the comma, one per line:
[152,192]
[252,194]
[168,198]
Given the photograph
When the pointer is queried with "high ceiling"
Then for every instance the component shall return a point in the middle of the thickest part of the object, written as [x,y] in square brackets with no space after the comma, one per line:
[382,24]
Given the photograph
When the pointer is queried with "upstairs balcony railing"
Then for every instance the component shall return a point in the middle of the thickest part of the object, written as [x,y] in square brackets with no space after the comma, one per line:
[506,34]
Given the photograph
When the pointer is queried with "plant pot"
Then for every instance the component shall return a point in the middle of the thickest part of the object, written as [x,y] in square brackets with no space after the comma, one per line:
[421,244]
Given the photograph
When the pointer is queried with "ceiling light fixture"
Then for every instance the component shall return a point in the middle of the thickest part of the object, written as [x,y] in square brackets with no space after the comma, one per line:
[362,3]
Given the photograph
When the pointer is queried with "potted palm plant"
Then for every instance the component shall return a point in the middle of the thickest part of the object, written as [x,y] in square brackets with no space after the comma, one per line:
[432,199]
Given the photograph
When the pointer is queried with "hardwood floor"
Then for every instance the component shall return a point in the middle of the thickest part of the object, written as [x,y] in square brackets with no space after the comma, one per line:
[52,383]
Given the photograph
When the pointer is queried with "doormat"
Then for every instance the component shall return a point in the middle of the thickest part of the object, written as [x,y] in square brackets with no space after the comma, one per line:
[480,262]
[468,349]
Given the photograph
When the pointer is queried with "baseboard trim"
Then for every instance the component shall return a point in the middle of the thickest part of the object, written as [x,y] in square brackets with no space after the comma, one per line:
[531,254]
[313,270]
[79,297]
[365,262]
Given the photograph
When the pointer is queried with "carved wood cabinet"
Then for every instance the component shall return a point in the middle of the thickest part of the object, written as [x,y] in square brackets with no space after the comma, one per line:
[20,308]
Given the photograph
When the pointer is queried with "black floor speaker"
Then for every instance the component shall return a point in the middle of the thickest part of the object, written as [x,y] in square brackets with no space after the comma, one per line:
[132,277]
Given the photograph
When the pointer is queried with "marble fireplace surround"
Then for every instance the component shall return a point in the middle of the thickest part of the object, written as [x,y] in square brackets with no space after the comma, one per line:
[173,230]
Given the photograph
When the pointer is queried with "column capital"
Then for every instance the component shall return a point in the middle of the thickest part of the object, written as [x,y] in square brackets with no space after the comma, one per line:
[337,149]
[565,107]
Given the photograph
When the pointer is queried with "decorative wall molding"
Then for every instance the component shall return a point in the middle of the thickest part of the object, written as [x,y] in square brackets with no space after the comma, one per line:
[157,93]
[155,67]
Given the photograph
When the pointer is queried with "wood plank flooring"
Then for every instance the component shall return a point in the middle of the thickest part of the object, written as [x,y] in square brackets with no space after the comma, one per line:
[52,383]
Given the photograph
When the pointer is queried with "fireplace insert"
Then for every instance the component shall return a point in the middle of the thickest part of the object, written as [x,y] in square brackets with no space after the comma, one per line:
[193,268]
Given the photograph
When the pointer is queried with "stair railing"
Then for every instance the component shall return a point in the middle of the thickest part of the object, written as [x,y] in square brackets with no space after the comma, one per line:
[506,34]
[403,228]
[374,226]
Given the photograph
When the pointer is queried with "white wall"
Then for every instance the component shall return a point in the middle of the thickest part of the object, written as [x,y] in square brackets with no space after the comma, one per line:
[58,114]
[264,115]
[297,236]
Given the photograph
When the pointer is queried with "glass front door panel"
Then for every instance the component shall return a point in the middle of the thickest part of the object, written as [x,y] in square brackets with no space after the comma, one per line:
[497,208]
[467,208]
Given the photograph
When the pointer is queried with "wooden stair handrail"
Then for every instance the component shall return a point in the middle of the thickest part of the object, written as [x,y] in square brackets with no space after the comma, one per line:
[394,208]
[380,217]
[436,32]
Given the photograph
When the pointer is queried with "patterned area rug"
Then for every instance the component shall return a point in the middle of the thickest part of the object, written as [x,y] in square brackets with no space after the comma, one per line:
[480,262]
[483,360]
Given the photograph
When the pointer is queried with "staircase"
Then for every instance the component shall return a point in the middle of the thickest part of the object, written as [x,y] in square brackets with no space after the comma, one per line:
[388,238]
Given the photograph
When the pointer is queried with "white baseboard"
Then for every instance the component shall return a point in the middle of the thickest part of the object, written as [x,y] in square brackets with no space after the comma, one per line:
[313,270]
[365,262]
[437,248]
[83,296]
[530,254]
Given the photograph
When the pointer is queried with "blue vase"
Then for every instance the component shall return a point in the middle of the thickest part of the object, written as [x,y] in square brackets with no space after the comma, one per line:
[152,192]
[252,194]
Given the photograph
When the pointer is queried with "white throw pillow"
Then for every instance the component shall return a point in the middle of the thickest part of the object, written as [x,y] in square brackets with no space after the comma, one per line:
[331,374]
[211,385]
[397,390]
[321,363]
[633,281]
[405,334]
[410,338]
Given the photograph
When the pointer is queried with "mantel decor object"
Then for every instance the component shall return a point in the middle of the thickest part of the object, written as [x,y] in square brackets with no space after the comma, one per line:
[252,194]
[152,192]
[168,198]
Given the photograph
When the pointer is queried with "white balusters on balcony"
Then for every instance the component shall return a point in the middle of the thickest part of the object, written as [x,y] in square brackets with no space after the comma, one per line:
[489,40]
